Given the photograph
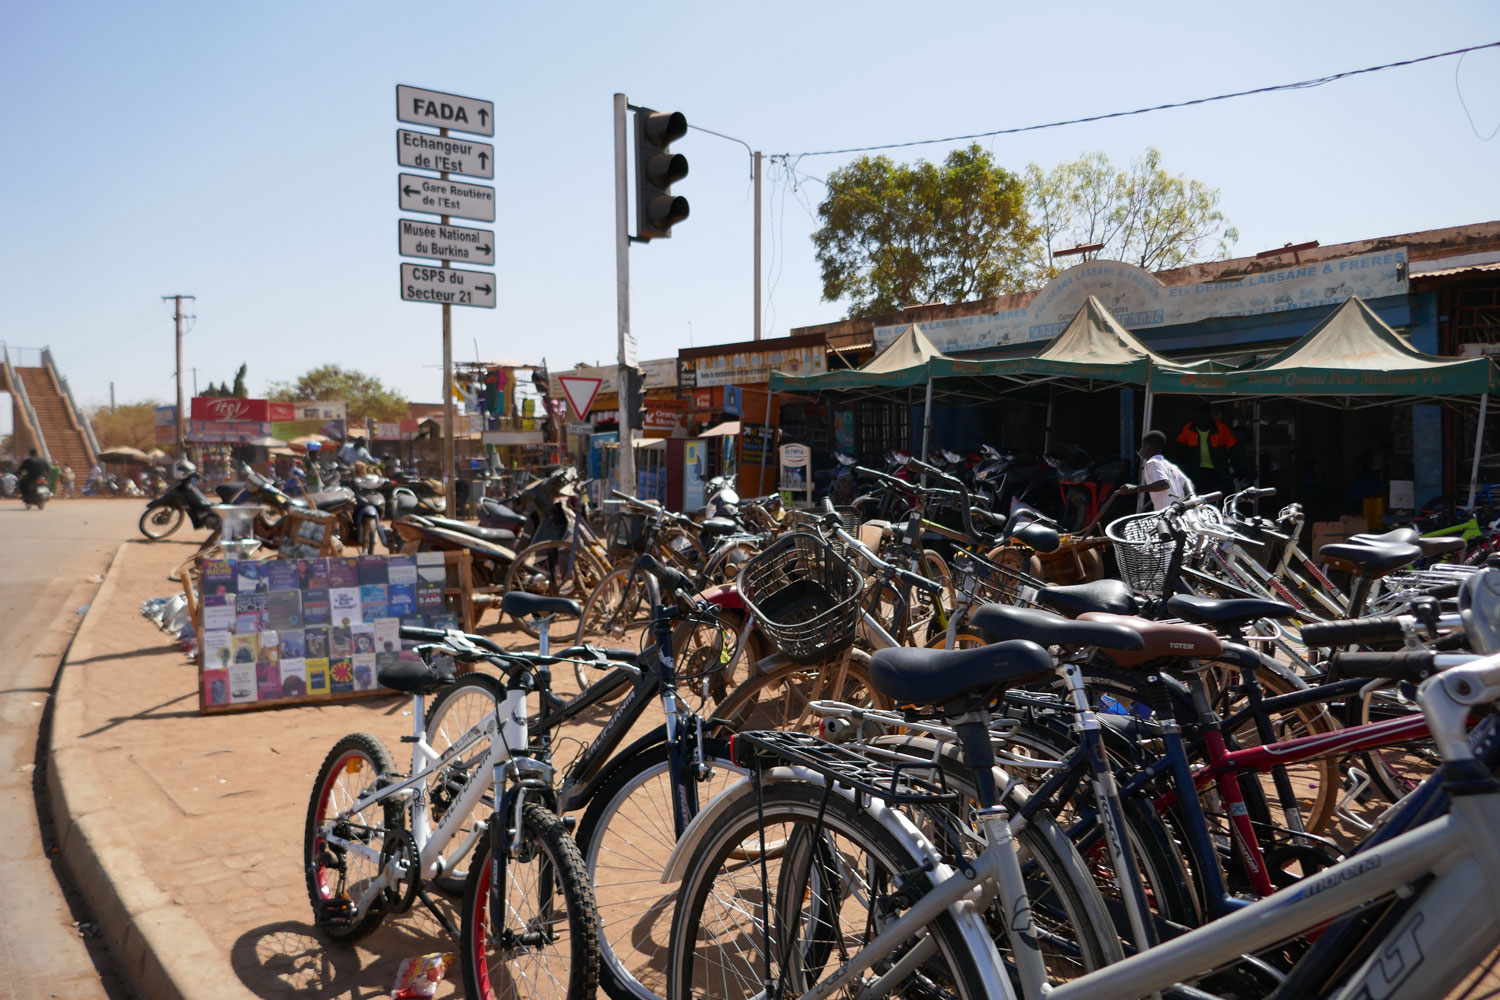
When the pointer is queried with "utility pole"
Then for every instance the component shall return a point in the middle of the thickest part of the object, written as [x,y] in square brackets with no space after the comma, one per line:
[181,422]
[626,466]
[111,397]
[195,380]
[757,245]
[450,481]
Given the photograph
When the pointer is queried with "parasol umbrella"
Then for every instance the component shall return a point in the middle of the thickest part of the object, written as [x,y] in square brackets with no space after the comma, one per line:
[301,443]
[157,457]
[124,453]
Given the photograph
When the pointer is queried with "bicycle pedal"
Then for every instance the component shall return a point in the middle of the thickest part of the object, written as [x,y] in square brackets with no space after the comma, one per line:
[335,912]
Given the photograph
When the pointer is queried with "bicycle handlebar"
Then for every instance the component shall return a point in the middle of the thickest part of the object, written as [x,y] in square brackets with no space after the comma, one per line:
[671,580]
[832,521]
[1354,631]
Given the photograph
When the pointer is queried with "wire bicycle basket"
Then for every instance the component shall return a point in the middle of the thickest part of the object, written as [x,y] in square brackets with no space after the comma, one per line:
[1140,551]
[627,533]
[805,595]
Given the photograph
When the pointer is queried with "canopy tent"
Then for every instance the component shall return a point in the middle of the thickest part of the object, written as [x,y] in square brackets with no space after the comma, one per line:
[902,365]
[1351,360]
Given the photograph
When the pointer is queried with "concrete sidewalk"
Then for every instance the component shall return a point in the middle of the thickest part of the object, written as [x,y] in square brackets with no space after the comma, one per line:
[185,832]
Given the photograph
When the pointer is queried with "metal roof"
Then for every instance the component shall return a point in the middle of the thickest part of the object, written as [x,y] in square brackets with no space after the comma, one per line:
[1449,272]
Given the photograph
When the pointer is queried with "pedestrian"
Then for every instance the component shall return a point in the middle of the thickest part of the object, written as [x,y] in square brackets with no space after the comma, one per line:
[54,473]
[1206,445]
[1169,482]
[314,481]
[68,478]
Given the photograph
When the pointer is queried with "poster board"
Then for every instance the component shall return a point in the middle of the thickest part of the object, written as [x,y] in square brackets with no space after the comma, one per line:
[279,632]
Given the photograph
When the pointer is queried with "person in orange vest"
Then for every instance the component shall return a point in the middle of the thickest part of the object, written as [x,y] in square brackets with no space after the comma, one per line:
[1205,444]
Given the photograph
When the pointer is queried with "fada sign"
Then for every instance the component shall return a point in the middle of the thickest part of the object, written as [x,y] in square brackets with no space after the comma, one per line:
[440,110]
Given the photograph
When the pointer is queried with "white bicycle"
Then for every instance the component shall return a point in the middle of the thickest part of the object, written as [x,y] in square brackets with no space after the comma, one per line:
[375,837]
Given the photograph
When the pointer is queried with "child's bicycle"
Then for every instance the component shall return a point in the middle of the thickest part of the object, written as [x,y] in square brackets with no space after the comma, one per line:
[375,837]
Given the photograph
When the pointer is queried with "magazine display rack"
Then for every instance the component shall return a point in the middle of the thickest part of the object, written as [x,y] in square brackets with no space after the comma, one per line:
[282,631]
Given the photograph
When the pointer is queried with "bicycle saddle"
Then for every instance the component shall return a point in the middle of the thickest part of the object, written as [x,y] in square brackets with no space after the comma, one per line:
[1396,536]
[1239,611]
[928,676]
[997,622]
[1036,535]
[1099,595]
[1369,558]
[411,677]
[1159,639]
[719,526]
[519,604]
[499,536]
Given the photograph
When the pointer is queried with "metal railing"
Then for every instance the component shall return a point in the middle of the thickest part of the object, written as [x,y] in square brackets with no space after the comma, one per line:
[18,388]
[83,423]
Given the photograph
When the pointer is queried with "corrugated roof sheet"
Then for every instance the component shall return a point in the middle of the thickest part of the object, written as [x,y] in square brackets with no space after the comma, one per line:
[1449,272]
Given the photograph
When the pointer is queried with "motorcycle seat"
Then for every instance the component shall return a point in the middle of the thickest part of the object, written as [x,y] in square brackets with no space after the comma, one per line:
[228,491]
[498,510]
[500,536]
[331,499]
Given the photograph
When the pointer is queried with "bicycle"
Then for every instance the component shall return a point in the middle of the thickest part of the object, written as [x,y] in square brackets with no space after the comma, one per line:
[373,838]
[1433,870]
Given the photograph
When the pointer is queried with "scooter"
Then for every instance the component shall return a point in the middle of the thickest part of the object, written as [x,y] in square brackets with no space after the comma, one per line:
[35,494]
[182,501]
[1084,484]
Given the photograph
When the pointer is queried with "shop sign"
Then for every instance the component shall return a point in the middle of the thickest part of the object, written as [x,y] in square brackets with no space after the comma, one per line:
[703,399]
[1139,300]
[313,410]
[734,403]
[166,416]
[387,431]
[756,365]
[755,444]
[665,416]
[221,408]
[282,413]
[687,374]
[227,431]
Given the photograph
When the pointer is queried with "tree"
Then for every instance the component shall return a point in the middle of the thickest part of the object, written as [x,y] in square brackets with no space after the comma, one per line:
[131,424]
[224,389]
[364,393]
[1143,215]
[904,234]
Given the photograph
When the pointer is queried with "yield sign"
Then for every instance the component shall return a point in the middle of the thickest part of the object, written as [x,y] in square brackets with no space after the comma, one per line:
[580,390]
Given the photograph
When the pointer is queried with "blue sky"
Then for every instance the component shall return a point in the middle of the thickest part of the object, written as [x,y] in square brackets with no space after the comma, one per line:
[245,153]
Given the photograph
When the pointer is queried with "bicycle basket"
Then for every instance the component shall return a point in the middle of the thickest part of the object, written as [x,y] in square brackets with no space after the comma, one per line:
[1141,552]
[627,533]
[805,595]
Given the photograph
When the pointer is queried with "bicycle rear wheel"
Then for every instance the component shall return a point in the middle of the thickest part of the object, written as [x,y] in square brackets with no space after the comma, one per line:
[456,710]
[796,911]
[781,696]
[338,875]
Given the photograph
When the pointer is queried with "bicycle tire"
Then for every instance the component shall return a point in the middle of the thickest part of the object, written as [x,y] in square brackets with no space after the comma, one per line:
[556,568]
[456,709]
[616,614]
[558,874]
[1062,890]
[791,808]
[356,753]
[626,835]
[156,517]
[1394,770]
[780,697]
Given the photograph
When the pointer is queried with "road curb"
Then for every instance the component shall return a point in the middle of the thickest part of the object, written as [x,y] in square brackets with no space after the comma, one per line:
[159,951]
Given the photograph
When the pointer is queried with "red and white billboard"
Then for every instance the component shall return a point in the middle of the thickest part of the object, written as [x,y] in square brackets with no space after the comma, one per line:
[230,408]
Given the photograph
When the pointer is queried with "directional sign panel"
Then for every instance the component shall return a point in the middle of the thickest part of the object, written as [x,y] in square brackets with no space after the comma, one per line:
[447,153]
[433,239]
[440,197]
[447,286]
[440,110]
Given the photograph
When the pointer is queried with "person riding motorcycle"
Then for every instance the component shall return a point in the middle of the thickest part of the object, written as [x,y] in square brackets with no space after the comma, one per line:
[354,450]
[32,471]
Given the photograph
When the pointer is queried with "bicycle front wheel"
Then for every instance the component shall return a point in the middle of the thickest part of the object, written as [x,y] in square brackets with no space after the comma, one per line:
[627,835]
[799,910]
[538,933]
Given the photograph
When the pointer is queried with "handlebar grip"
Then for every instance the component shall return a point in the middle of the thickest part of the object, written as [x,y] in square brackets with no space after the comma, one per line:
[920,582]
[1408,664]
[1263,491]
[1354,631]
[671,580]
[1192,502]
[421,634]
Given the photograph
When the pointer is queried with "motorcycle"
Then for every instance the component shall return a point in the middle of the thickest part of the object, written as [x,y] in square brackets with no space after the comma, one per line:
[370,494]
[35,494]
[182,501]
[1084,484]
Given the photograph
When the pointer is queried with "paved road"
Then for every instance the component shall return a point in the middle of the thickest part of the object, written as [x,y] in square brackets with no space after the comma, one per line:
[49,560]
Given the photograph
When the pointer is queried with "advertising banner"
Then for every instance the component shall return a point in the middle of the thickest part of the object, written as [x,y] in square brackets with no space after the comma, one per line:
[222,408]
[283,413]
[227,431]
[747,367]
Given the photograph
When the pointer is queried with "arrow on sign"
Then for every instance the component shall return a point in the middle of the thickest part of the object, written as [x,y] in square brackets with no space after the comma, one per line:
[483,157]
[484,117]
[483,288]
[580,391]
[483,248]
[409,191]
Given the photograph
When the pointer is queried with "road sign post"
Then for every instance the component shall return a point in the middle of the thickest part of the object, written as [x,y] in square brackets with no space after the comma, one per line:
[444,197]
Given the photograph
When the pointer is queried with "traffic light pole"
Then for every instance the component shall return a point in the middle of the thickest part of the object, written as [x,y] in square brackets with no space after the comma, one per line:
[450,446]
[626,465]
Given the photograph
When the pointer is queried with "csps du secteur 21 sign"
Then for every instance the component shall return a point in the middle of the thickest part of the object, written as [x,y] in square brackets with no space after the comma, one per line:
[447,286]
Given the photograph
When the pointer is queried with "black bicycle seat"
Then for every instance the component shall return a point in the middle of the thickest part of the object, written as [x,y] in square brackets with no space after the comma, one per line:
[719,526]
[1369,558]
[411,677]
[519,604]
[1036,535]
[929,676]
[998,622]
[1239,611]
[1112,596]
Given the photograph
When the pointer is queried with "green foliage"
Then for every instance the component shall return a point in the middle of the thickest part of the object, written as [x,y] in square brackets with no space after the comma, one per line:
[896,235]
[1143,215]
[131,424]
[364,393]
[224,389]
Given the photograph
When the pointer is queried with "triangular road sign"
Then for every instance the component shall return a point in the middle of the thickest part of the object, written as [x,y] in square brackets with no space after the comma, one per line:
[580,391]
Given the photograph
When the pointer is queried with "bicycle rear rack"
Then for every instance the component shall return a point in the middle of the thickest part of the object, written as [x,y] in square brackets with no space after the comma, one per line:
[890,781]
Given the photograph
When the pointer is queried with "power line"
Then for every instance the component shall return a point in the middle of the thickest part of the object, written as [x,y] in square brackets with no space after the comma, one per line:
[1316,82]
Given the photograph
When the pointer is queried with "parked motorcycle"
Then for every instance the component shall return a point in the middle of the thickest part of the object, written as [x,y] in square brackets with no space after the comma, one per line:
[371,499]
[1084,483]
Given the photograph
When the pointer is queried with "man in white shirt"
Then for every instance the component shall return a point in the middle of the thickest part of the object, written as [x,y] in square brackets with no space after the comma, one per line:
[1164,481]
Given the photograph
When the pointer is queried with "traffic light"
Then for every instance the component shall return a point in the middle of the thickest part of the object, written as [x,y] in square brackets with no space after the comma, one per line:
[657,168]
[633,400]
